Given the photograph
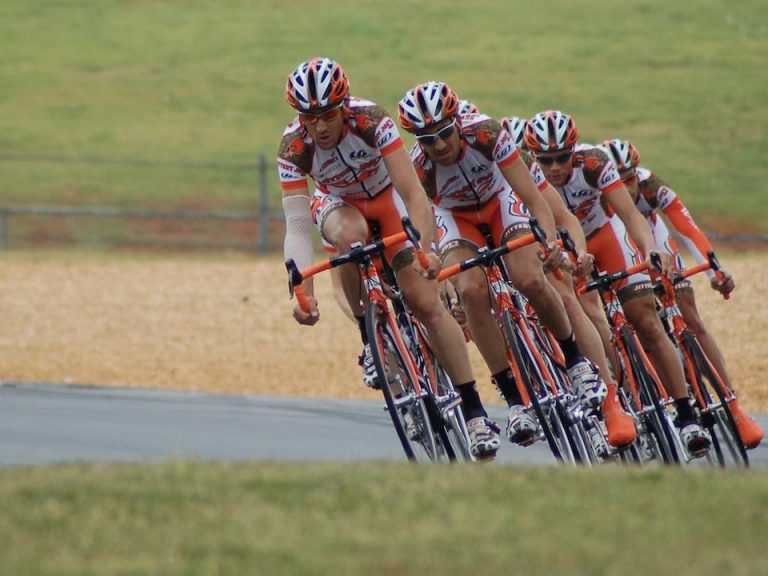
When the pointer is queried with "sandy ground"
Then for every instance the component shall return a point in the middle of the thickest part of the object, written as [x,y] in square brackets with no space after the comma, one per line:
[226,327]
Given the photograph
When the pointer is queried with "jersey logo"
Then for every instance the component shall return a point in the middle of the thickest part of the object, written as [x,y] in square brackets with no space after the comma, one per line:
[357,154]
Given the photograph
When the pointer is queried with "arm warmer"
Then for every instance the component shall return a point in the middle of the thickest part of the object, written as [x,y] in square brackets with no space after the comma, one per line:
[298,231]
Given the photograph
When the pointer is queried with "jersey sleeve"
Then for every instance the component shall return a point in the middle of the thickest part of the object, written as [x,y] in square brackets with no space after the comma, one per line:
[294,161]
[691,235]
[387,136]
[600,171]
[537,174]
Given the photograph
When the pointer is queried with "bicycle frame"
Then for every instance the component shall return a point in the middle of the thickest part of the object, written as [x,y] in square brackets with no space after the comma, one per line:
[380,317]
[697,366]
[524,354]
[637,377]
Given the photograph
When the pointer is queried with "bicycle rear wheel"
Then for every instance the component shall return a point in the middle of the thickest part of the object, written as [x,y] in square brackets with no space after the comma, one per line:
[397,380]
[716,415]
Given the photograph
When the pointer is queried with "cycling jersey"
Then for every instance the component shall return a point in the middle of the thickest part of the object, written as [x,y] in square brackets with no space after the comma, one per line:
[473,192]
[476,177]
[655,195]
[593,176]
[354,168]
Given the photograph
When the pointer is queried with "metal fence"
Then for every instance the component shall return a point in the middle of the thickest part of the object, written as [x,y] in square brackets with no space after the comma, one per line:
[255,231]
[259,231]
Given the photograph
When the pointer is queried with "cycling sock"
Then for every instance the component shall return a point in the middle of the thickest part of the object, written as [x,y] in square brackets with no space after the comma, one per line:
[363,331]
[505,380]
[470,401]
[570,350]
[685,413]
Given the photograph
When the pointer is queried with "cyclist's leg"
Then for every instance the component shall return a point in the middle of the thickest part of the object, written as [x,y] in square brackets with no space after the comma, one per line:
[750,431]
[620,425]
[613,252]
[341,225]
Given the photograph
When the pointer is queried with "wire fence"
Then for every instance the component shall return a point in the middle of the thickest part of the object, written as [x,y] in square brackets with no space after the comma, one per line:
[260,231]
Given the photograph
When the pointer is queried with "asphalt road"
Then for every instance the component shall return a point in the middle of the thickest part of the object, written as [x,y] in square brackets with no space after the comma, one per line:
[46,423]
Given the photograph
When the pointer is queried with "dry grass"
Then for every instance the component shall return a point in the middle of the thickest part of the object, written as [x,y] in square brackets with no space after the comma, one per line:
[226,327]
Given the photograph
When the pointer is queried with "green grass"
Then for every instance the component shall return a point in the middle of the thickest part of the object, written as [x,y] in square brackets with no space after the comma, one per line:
[201,81]
[186,518]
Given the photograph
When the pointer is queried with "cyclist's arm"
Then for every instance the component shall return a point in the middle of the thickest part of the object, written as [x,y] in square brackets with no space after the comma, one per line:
[517,175]
[637,226]
[681,222]
[564,218]
[407,184]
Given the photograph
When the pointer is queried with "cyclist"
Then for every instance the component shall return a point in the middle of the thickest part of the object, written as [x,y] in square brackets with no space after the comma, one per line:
[618,236]
[353,153]
[621,430]
[653,199]
[476,178]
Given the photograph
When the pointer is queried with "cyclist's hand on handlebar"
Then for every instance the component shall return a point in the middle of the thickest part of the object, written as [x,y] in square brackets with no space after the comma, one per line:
[585,263]
[556,259]
[724,286]
[434,264]
[667,265]
[307,318]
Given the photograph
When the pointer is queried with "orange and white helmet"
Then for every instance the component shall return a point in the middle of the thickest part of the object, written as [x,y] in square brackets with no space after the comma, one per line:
[316,84]
[516,127]
[550,131]
[427,104]
[622,152]
[467,107]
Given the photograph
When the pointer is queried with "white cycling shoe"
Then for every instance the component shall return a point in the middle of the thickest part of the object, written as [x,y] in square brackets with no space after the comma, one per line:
[588,384]
[522,428]
[365,360]
[695,439]
[483,438]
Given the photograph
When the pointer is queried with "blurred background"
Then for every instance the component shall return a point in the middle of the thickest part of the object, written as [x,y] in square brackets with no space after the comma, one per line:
[153,125]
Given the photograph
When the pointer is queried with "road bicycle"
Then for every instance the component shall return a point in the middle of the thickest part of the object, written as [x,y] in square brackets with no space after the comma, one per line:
[711,394]
[640,390]
[534,356]
[419,396]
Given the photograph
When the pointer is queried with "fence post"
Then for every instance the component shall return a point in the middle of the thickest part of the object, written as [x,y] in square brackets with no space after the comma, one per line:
[264,208]
[4,227]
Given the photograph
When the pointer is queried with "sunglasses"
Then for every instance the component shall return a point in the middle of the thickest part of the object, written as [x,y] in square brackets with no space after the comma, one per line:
[444,133]
[560,158]
[327,116]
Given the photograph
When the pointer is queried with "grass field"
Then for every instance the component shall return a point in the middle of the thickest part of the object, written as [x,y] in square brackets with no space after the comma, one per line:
[163,104]
[381,519]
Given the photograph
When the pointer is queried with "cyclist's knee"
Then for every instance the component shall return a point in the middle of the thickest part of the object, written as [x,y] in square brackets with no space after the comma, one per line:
[474,294]
[533,285]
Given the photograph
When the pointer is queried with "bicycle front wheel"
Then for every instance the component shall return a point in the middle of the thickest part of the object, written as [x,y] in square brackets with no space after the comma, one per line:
[716,413]
[397,379]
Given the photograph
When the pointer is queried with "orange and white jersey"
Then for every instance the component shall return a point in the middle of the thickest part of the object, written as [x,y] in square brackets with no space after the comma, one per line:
[594,175]
[656,196]
[476,178]
[355,168]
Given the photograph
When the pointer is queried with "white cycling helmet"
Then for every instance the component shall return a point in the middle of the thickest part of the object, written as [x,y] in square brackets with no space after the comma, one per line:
[551,131]
[622,152]
[316,84]
[467,107]
[516,127]
[427,104]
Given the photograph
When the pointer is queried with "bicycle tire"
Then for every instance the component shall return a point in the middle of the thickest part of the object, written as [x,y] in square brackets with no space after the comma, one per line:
[396,382]
[446,401]
[656,417]
[559,446]
[719,421]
